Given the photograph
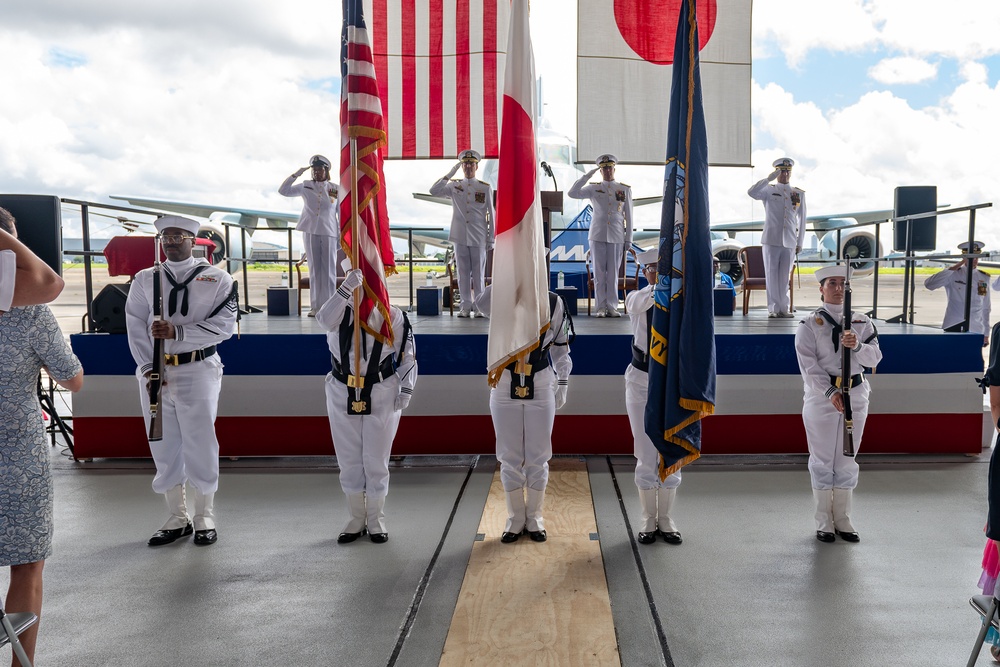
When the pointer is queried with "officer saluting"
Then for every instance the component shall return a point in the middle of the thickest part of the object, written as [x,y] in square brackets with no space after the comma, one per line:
[954,280]
[319,223]
[363,423]
[199,309]
[473,226]
[784,231]
[818,342]
[610,229]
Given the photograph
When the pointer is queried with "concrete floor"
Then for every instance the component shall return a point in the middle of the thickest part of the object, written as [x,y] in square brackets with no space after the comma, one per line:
[749,586]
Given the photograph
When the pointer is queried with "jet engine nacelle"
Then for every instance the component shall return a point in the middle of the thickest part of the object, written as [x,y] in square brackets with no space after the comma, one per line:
[726,250]
[855,244]
[214,231]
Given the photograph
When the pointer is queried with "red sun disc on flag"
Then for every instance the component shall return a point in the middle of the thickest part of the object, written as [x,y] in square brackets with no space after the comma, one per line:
[516,185]
[649,28]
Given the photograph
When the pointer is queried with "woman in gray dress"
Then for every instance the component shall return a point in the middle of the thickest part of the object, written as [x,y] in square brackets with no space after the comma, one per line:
[30,340]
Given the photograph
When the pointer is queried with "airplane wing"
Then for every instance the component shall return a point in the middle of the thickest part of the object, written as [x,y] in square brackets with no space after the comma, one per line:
[274,219]
[819,224]
[431,198]
[644,201]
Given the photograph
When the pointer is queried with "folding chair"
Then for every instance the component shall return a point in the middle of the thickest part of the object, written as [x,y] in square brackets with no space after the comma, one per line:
[13,625]
[985,606]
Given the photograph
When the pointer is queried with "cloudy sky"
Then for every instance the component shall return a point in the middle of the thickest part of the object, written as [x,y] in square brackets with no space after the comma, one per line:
[217,102]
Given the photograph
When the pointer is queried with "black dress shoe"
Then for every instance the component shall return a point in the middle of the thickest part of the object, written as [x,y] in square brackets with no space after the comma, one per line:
[824,536]
[345,538]
[203,538]
[379,538]
[646,538]
[848,537]
[507,538]
[162,537]
[537,535]
[672,537]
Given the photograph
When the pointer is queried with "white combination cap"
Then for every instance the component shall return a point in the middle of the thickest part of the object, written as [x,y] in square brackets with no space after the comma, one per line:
[979,245]
[606,160]
[783,163]
[320,161]
[648,257]
[470,156]
[187,224]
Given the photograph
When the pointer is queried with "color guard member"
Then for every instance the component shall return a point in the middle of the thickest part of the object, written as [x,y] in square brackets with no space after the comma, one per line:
[817,346]
[523,407]
[610,230]
[473,227]
[655,497]
[199,312]
[363,422]
[784,231]
[954,279]
[319,223]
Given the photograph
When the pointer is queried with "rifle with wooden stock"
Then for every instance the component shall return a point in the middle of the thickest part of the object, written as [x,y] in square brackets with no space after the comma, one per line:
[155,380]
[845,370]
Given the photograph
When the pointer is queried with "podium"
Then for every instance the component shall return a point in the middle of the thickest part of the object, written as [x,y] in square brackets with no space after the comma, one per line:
[723,297]
[282,301]
[429,300]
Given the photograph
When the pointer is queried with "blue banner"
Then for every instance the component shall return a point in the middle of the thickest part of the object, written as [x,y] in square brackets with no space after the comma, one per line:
[682,345]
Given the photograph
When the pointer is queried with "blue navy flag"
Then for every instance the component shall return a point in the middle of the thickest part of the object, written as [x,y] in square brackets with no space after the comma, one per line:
[682,347]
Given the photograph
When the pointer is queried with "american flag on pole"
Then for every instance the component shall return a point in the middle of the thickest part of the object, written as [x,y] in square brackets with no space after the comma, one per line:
[519,301]
[438,65]
[361,121]
[682,345]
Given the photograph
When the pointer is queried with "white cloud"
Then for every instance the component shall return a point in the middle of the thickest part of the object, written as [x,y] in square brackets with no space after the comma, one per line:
[795,29]
[903,69]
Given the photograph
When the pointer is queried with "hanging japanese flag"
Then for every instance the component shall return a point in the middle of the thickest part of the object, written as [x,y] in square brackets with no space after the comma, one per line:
[625,50]
[519,303]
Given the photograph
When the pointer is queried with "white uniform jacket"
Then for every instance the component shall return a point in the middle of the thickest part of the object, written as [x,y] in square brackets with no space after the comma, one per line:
[320,212]
[818,361]
[473,220]
[210,317]
[954,283]
[330,316]
[784,219]
[612,202]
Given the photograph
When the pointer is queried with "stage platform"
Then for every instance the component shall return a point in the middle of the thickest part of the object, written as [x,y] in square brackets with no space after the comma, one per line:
[924,395]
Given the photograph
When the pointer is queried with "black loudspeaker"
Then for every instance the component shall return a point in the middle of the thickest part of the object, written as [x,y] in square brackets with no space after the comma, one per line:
[39,225]
[108,309]
[911,200]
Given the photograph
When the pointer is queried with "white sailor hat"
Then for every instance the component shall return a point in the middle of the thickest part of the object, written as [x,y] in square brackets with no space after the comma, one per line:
[606,160]
[979,245]
[648,257]
[470,156]
[783,163]
[187,224]
[838,271]
[320,161]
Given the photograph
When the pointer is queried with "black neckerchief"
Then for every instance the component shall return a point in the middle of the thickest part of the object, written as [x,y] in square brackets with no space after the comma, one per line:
[838,328]
[177,288]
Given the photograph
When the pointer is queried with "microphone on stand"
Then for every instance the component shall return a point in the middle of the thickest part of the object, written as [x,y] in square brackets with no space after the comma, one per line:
[548,172]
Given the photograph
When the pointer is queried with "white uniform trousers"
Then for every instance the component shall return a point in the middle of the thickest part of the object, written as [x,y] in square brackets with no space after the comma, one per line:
[777,270]
[828,467]
[607,261]
[647,457]
[470,262]
[524,432]
[189,402]
[363,442]
[321,253]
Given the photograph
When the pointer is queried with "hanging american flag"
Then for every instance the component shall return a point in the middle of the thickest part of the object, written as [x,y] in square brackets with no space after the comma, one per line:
[438,64]
[361,121]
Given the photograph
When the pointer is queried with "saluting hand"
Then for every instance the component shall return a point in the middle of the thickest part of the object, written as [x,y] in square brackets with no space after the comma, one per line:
[773,175]
[301,171]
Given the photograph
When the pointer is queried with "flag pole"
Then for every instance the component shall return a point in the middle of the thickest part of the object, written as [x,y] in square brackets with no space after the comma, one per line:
[358,379]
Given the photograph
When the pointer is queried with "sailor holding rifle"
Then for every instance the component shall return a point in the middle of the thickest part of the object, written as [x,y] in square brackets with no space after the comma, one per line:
[199,309]
[818,342]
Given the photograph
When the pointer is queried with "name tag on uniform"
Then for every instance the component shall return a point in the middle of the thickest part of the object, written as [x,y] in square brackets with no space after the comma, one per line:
[620,195]
[480,197]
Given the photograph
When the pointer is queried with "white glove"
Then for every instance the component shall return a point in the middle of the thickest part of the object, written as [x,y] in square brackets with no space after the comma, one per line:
[454,170]
[301,171]
[402,400]
[561,391]
[773,175]
[353,280]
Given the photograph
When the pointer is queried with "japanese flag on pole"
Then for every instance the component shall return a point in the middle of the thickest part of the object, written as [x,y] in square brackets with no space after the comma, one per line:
[519,302]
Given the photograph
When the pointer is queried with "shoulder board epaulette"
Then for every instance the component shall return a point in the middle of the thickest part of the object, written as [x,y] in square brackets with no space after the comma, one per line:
[482,182]
[625,185]
[799,189]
